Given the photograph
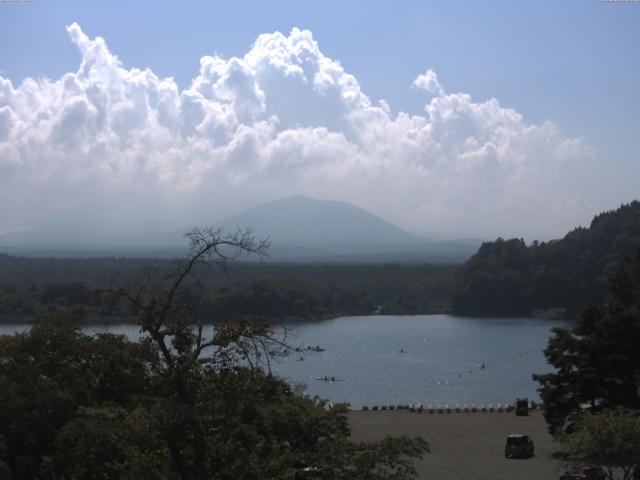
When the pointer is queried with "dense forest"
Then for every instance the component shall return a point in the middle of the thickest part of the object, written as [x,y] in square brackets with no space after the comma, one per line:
[33,288]
[556,278]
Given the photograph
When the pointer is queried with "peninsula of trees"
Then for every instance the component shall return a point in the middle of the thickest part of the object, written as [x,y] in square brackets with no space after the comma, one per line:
[561,277]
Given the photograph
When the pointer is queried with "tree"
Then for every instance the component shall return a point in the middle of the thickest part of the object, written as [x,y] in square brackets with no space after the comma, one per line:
[109,442]
[182,403]
[49,373]
[598,361]
[609,440]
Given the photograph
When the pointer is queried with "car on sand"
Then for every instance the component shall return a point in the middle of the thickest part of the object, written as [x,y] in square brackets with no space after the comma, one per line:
[520,446]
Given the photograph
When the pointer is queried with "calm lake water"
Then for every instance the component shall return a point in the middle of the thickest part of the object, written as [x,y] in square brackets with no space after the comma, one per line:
[428,359]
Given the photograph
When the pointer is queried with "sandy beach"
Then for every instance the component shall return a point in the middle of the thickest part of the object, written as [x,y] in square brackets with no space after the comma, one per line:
[466,445]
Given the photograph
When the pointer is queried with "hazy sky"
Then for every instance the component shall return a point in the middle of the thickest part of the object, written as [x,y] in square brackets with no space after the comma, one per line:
[452,118]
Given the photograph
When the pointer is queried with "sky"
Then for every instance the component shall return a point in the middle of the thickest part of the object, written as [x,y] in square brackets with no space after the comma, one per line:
[451,119]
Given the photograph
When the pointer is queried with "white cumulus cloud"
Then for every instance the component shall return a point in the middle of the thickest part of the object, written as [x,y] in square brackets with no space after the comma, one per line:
[107,144]
[428,81]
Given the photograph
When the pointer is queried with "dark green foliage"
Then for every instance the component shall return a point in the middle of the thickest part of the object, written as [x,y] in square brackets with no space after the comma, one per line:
[48,373]
[598,361]
[109,442]
[5,473]
[507,277]
[34,288]
[610,440]
[281,299]
[178,404]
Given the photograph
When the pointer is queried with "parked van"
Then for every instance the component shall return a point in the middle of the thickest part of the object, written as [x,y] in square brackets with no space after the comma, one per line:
[518,446]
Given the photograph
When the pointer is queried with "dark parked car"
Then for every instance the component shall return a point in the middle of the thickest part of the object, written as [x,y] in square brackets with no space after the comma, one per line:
[518,446]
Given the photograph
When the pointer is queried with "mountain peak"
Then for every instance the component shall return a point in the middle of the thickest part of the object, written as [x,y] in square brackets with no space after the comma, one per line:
[298,219]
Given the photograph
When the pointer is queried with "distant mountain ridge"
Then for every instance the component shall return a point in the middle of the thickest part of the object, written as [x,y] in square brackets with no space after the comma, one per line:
[304,229]
[301,229]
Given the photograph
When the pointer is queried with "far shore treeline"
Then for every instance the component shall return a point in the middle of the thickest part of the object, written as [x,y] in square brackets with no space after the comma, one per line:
[558,278]
[33,288]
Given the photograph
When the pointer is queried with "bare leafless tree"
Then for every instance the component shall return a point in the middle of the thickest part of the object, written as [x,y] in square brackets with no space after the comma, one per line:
[153,296]
[159,314]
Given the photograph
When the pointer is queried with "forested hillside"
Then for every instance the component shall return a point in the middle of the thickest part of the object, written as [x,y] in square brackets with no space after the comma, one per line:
[34,288]
[559,277]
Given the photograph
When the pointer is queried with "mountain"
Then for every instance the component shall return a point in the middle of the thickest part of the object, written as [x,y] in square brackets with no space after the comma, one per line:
[507,277]
[307,221]
[301,229]
[306,229]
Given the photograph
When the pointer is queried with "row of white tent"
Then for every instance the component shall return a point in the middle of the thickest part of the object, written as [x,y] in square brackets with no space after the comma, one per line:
[420,408]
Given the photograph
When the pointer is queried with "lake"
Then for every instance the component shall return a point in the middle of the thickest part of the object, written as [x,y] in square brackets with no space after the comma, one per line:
[428,359]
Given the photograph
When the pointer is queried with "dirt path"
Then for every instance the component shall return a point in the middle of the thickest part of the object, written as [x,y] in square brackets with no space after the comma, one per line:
[466,445]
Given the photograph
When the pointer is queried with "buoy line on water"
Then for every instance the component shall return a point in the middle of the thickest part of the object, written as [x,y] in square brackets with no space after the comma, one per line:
[329,379]
[486,366]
